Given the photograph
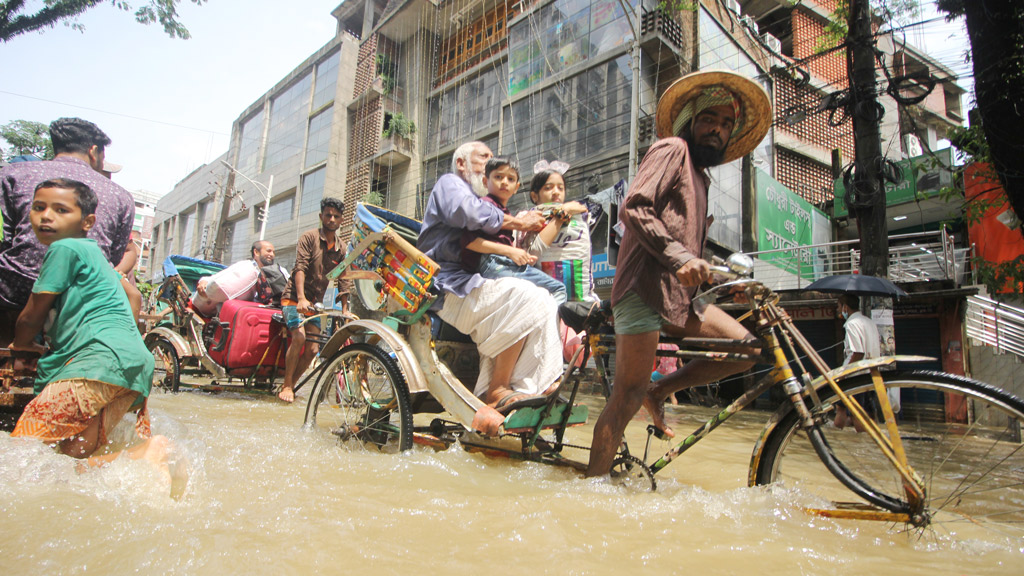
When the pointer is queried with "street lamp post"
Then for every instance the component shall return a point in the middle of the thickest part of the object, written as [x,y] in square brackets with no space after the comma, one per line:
[265,191]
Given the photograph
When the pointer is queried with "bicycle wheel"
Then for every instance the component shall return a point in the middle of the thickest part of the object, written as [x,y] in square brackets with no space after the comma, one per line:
[362,398]
[961,436]
[166,366]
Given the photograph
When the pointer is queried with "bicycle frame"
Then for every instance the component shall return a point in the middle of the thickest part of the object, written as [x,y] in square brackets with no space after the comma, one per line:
[781,341]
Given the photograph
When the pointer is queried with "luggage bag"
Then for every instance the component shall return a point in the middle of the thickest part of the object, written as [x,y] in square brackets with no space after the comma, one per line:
[246,339]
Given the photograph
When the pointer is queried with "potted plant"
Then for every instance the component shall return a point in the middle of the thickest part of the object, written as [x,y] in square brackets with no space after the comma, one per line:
[398,125]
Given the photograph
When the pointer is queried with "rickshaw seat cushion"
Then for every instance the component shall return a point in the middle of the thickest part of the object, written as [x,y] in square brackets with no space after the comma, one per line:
[443,331]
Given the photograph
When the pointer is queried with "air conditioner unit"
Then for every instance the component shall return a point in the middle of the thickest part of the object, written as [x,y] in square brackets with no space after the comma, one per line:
[773,43]
[733,6]
[749,23]
[912,145]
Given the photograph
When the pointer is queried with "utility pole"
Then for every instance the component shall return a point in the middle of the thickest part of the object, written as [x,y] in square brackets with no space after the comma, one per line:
[867,193]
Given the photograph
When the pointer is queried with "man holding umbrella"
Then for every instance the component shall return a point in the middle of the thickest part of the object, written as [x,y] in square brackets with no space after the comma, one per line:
[861,342]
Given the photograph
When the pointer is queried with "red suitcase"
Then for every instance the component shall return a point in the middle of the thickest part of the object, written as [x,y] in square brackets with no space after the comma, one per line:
[246,339]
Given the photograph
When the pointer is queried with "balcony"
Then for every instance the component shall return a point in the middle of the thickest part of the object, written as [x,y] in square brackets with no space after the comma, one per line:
[913,258]
[393,151]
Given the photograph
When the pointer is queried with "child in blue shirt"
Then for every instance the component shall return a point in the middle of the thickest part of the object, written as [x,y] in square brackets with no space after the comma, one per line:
[494,255]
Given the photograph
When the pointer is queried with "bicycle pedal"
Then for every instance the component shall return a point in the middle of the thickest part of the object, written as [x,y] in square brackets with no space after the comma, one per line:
[653,430]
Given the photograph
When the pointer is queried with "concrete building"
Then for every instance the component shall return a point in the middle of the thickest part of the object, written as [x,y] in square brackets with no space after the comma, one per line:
[290,145]
[377,112]
[145,215]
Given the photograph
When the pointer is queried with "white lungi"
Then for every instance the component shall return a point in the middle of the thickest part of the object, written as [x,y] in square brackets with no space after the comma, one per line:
[499,314]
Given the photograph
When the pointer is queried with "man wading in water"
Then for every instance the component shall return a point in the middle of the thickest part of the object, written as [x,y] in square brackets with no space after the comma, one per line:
[704,119]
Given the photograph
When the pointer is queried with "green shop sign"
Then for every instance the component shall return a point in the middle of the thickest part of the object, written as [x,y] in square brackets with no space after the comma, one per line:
[923,177]
[785,222]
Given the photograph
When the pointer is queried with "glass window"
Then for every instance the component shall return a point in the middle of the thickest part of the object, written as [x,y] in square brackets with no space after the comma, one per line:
[583,116]
[249,147]
[465,111]
[288,114]
[188,228]
[239,241]
[609,37]
[326,81]
[280,212]
[319,139]
[312,191]
[561,35]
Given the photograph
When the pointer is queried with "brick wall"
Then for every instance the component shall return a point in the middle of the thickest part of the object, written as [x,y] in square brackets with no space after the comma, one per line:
[366,66]
[814,128]
[811,180]
[807,31]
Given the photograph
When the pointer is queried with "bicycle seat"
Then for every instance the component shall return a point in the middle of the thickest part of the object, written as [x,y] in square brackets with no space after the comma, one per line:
[586,316]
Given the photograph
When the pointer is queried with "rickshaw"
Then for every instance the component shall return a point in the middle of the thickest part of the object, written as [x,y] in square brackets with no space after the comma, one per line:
[237,346]
[961,467]
[17,373]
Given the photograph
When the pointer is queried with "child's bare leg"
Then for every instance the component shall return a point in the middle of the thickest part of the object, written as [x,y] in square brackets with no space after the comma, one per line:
[154,450]
[84,444]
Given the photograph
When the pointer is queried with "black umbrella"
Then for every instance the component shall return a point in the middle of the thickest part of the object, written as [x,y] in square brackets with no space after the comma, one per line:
[857,284]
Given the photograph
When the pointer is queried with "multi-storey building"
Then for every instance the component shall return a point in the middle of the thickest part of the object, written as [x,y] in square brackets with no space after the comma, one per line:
[145,213]
[288,147]
[376,114]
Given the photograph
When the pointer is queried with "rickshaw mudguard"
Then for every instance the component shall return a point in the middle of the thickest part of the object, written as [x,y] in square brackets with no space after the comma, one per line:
[403,354]
[424,371]
[181,345]
[836,374]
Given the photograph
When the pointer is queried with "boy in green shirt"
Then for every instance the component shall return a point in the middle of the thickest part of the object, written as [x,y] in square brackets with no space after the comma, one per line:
[97,367]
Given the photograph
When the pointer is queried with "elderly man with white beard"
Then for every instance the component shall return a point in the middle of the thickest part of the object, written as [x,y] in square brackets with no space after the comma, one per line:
[512,321]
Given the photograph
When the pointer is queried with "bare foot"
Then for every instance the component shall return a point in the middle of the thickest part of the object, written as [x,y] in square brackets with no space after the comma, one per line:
[657,411]
[286,395]
[495,397]
[153,451]
[553,388]
[842,419]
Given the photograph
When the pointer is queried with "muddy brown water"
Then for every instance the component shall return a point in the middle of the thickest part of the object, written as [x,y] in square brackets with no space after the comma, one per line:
[266,497]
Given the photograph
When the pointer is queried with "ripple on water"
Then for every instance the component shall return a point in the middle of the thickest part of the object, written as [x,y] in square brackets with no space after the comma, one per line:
[267,497]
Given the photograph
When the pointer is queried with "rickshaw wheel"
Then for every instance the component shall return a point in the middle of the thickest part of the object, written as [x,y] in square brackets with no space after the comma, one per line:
[630,472]
[361,398]
[166,367]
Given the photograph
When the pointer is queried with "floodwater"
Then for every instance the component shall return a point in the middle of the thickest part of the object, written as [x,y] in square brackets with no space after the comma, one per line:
[266,497]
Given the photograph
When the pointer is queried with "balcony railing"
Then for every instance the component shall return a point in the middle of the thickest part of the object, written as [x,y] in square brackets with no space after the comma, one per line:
[917,257]
[992,323]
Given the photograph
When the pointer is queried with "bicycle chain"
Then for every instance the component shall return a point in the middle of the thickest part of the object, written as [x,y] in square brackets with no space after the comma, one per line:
[520,435]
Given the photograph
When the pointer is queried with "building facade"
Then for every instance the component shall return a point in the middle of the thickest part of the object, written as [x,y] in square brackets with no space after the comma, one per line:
[376,114]
[288,147]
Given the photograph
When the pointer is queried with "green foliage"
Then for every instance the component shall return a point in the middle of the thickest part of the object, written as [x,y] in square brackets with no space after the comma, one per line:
[145,287]
[1002,276]
[374,197]
[399,126]
[678,5]
[838,29]
[17,18]
[387,71]
[26,137]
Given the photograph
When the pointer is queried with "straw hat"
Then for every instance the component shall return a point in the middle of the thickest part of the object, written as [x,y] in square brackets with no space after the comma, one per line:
[755,108]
